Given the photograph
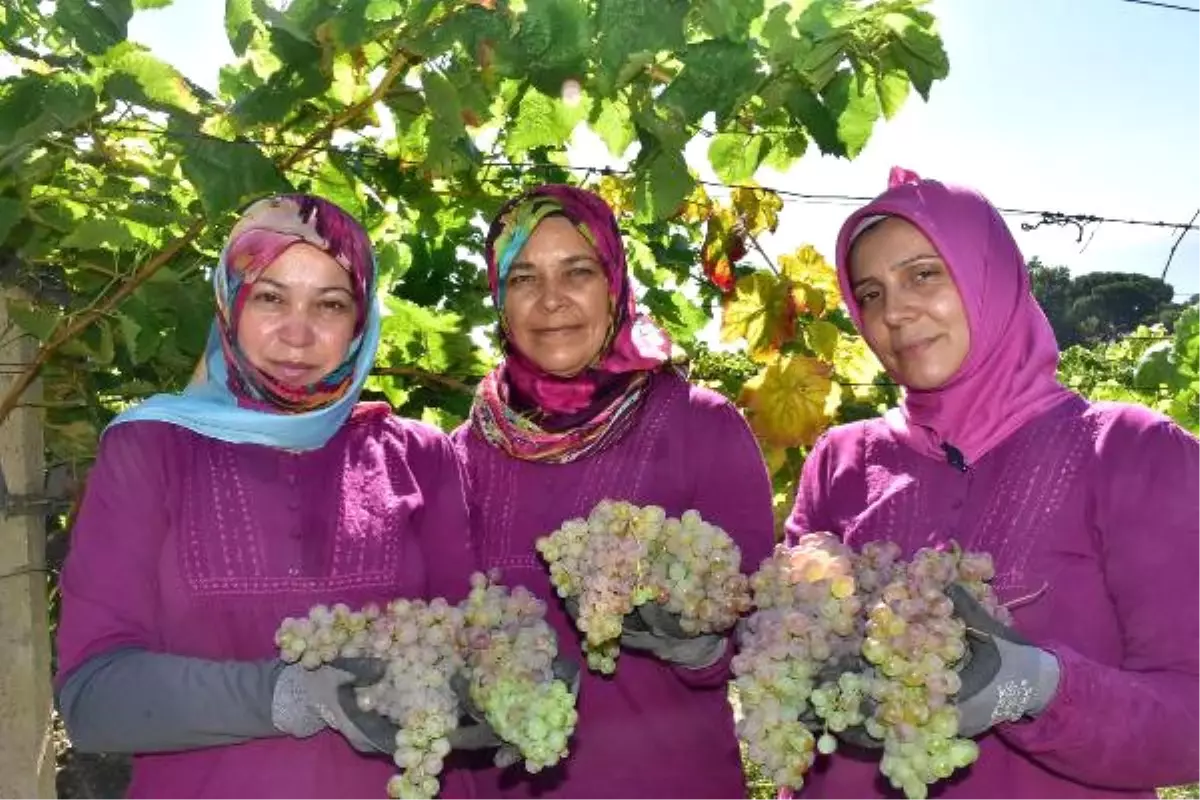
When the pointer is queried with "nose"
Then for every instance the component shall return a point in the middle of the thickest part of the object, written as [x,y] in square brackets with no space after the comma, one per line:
[552,297]
[297,328]
[899,307]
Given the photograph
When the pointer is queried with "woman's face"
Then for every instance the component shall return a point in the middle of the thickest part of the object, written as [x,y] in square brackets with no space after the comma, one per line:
[912,315]
[299,317]
[556,301]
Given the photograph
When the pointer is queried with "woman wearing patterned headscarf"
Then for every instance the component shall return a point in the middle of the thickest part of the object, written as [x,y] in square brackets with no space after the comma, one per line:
[586,406]
[264,489]
[1089,511]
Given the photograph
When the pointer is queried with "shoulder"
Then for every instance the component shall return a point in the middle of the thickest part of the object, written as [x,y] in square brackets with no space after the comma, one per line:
[703,408]
[1127,431]
[411,438]
[847,444]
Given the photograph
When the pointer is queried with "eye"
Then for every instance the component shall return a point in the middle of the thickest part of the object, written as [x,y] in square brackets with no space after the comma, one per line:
[520,278]
[582,271]
[267,297]
[926,273]
[867,296]
[336,306]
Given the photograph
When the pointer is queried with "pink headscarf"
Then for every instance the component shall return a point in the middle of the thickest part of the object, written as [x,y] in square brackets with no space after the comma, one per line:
[1009,376]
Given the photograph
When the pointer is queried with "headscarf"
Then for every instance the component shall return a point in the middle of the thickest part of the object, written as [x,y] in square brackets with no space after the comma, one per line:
[1009,374]
[530,413]
[235,401]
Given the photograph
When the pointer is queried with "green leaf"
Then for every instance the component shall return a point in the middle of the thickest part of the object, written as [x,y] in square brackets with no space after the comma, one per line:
[615,126]
[662,184]
[150,5]
[822,338]
[384,10]
[11,212]
[783,45]
[918,50]
[893,91]
[630,32]
[158,81]
[227,175]
[785,149]
[95,25]
[141,342]
[717,75]
[95,343]
[853,100]
[34,320]
[280,96]
[541,121]
[729,19]
[443,101]
[680,316]
[239,24]
[808,110]
[33,106]
[553,40]
[736,157]
[100,232]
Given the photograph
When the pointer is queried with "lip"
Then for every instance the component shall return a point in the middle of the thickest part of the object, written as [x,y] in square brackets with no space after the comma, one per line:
[290,371]
[558,330]
[915,348]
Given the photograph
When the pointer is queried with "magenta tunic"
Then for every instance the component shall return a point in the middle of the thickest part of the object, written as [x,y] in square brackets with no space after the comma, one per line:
[1090,512]
[196,547]
[653,729]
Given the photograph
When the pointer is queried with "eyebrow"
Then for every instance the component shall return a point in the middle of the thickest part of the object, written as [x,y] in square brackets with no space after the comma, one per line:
[569,260]
[322,289]
[898,265]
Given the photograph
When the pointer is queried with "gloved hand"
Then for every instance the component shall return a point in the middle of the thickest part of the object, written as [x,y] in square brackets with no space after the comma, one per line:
[1004,677]
[307,700]
[476,734]
[855,735]
[650,627]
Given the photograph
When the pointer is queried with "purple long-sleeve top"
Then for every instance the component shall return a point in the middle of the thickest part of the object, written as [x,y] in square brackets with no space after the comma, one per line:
[195,547]
[1090,512]
[652,729]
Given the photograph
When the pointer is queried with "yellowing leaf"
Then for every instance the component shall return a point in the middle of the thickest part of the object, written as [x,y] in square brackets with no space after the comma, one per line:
[759,312]
[617,192]
[776,458]
[724,245]
[698,206]
[822,337]
[786,401]
[758,208]
[814,278]
[856,365]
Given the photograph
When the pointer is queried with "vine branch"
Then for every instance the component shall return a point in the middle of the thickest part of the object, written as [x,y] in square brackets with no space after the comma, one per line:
[426,377]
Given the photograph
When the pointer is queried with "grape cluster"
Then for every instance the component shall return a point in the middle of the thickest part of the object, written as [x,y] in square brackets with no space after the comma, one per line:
[864,643]
[623,556]
[496,642]
[510,651]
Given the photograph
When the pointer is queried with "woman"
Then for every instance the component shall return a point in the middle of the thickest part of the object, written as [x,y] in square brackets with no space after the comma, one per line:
[1088,509]
[260,492]
[585,406]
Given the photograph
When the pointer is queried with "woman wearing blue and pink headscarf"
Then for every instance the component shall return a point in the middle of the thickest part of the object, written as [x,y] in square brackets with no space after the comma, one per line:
[1088,509]
[586,406]
[262,490]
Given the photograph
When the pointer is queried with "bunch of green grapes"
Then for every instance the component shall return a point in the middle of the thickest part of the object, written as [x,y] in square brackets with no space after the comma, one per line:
[623,556]
[419,643]
[863,642]
[509,652]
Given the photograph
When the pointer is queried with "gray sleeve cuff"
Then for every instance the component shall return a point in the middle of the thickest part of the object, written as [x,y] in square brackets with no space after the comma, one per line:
[134,701]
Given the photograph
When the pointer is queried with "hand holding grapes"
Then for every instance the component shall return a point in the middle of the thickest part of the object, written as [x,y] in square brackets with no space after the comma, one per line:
[653,629]
[1005,677]
[308,700]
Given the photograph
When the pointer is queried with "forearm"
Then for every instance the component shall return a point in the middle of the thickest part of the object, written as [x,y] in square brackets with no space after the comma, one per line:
[1113,728]
[134,701]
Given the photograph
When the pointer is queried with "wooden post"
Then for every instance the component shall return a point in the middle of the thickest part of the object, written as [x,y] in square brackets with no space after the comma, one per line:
[27,767]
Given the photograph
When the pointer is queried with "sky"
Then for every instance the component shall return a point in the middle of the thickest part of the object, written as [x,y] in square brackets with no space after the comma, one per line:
[1074,106]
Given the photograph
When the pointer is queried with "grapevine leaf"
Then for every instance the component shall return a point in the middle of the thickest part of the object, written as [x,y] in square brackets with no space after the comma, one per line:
[757,208]
[783,45]
[158,81]
[807,109]
[813,279]
[36,321]
[150,5]
[717,76]
[893,88]
[554,38]
[11,212]
[856,365]
[239,24]
[786,401]
[918,50]
[32,106]
[760,312]
[100,232]
[729,19]
[679,315]
[724,245]
[822,338]
[227,175]
[95,25]
[541,121]
[735,157]
[786,148]
[662,184]
[852,99]
[630,32]
[614,125]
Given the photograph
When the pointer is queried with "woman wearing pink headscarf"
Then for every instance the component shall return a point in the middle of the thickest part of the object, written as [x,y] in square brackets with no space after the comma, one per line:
[1088,509]
[586,406]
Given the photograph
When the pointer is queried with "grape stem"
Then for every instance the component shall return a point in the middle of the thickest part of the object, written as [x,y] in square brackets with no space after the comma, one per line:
[1029,598]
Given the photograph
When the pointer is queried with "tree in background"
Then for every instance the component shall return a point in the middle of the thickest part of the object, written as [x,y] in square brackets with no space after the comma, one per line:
[1101,306]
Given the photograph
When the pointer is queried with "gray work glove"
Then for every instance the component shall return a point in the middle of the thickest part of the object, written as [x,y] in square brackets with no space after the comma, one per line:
[1004,677]
[653,629]
[855,735]
[474,733]
[305,701]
